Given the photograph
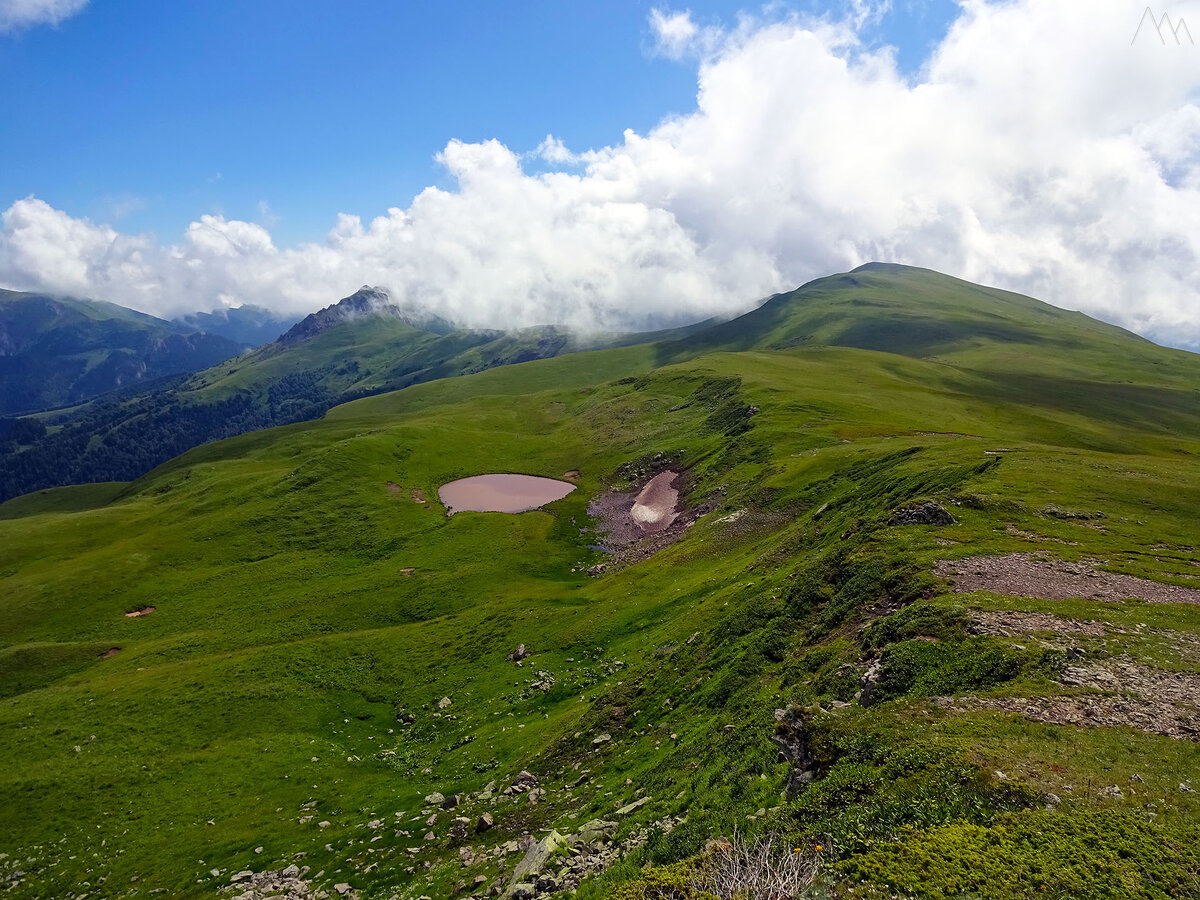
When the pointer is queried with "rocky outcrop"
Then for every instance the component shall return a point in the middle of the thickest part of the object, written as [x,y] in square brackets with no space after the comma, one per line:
[791,739]
[287,884]
[929,513]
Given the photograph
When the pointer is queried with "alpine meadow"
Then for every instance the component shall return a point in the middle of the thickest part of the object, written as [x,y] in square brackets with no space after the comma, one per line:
[325,680]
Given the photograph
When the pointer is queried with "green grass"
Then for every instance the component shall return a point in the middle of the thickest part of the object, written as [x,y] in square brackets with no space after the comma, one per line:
[286,640]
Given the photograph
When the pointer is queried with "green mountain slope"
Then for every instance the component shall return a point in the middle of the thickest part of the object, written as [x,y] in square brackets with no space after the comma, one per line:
[791,665]
[58,351]
[920,313]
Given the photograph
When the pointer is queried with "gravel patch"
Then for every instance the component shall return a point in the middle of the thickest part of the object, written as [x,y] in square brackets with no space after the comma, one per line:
[1026,575]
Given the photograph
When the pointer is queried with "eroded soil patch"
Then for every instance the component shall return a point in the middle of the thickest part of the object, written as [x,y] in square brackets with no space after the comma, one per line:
[144,611]
[1026,575]
[638,523]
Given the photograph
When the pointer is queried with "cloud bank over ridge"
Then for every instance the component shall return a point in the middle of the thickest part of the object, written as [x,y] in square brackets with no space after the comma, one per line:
[1037,149]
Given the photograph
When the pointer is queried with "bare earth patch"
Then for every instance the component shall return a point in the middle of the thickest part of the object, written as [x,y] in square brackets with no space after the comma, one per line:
[1150,700]
[1026,575]
[110,653]
[393,488]
[637,524]
[144,611]
[418,496]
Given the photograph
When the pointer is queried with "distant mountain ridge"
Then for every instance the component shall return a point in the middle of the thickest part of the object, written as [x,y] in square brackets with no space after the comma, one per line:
[250,325]
[58,351]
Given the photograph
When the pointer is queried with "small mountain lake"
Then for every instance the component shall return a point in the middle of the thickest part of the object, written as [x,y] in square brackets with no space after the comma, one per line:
[501,493]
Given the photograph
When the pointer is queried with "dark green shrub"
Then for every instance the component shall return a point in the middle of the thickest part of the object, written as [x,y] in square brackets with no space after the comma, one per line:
[926,668]
[921,619]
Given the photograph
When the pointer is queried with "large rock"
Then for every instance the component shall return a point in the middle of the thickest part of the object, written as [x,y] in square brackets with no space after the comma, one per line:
[460,827]
[929,513]
[519,654]
[535,861]
[633,807]
[597,832]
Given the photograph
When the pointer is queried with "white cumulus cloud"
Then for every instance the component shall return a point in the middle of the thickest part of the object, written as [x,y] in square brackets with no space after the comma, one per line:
[1037,149]
[16,14]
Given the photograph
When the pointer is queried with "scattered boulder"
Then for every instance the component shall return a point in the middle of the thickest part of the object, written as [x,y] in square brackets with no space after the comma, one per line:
[600,740]
[519,654]
[535,861]
[597,832]
[1112,792]
[445,703]
[597,570]
[485,822]
[435,799]
[633,807]
[928,513]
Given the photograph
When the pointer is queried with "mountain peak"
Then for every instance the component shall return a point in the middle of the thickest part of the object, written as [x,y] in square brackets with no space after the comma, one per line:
[366,301]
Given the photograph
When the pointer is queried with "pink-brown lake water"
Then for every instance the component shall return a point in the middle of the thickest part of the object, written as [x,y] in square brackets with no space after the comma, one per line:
[501,493]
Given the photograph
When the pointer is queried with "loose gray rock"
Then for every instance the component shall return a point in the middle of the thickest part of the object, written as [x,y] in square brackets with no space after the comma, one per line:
[633,807]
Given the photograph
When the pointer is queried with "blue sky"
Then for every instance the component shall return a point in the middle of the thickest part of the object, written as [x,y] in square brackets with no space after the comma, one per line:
[185,156]
[147,115]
